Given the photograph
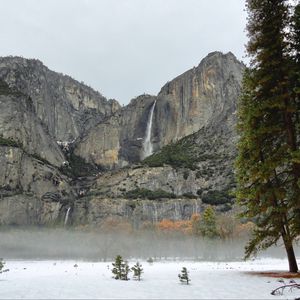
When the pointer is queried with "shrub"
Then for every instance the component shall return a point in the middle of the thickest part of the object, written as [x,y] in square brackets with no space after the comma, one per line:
[78,167]
[217,197]
[186,174]
[174,154]
[170,226]
[9,142]
[189,195]
[148,194]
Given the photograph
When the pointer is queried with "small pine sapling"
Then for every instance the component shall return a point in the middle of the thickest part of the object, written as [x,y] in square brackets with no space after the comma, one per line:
[184,276]
[126,271]
[120,268]
[137,271]
[2,263]
[117,267]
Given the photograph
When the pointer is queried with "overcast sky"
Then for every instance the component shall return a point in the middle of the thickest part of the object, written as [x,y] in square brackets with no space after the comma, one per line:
[123,48]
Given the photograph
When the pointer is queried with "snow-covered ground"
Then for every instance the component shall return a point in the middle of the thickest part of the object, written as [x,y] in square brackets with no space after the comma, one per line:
[210,280]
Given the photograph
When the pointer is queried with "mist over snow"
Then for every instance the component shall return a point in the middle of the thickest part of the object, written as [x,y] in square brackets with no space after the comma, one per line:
[43,243]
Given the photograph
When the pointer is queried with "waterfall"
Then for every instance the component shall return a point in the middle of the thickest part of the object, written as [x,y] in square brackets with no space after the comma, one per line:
[155,219]
[195,207]
[177,211]
[147,145]
[67,215]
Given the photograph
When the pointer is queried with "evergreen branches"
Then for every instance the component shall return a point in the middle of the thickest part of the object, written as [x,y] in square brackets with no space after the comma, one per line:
[268,169]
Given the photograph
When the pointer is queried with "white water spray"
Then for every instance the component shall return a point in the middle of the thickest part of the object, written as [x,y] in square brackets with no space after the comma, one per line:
[177,211]
[195,207]
[67,215]
[147,145]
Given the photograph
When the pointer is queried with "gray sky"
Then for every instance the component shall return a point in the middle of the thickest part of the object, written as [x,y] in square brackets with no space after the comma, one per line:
[122,48]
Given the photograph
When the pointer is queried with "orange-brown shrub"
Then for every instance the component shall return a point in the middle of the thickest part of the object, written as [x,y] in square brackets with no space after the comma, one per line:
[169,226]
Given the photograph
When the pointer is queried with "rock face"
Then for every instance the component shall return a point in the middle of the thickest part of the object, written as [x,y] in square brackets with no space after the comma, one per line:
[31,190]
[66,107]
[201,97]
[117,141]
[100,210]
[37,108]
[19,123]
[192,133]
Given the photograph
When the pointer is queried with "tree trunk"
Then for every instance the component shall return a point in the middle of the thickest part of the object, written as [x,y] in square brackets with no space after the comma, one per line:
[293,267]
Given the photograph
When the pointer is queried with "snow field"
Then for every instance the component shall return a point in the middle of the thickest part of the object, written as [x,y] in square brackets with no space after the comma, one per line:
[93,280]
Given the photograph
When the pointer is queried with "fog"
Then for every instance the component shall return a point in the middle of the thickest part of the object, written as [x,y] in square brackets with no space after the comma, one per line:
[42,243]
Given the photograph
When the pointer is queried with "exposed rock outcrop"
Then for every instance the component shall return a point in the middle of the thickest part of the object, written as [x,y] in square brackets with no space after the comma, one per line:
[30,161]
[193,135]
[100,210]
[32,192]
[66,107]
[19,123]
[204,96]
[117,141]
[201,97]
[38,108]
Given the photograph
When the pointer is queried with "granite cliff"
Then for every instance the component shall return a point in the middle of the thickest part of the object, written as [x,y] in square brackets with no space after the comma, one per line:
[66,107]
[201,97]
[65,148]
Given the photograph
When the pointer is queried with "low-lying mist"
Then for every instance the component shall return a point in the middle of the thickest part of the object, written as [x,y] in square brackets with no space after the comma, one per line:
[45,243]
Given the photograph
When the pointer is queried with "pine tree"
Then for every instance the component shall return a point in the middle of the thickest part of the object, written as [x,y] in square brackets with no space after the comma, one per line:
[137,271]
[295,87]
[184,276]
[208,226]
[296,34]
[120,268]
[2,263]
[126,271]
[267,168]
[117,267]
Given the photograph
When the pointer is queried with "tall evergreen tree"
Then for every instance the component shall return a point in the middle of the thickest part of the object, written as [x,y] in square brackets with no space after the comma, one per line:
[296,33]
[295,88]
[267,168]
